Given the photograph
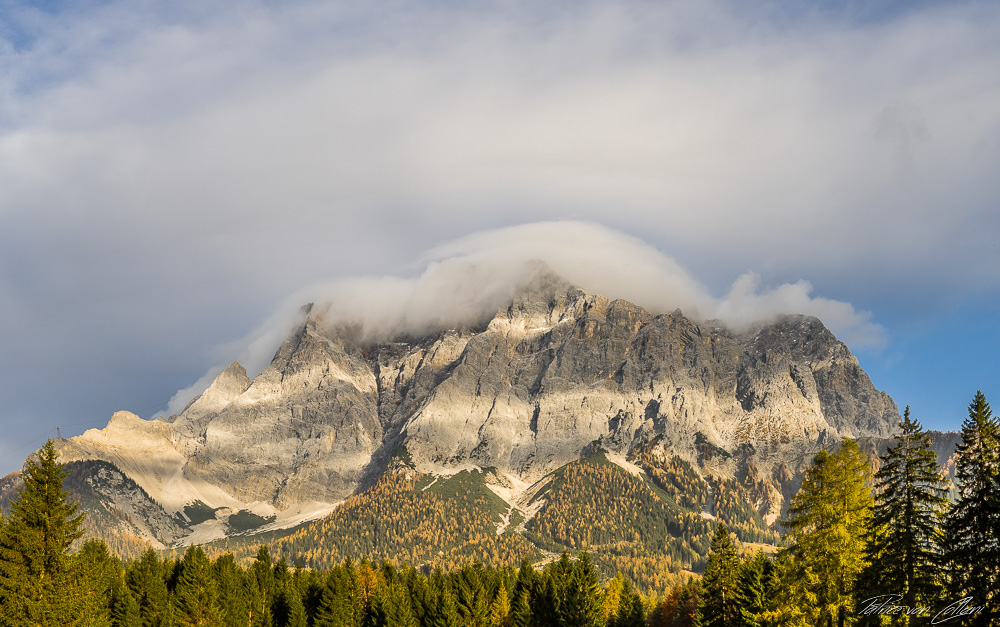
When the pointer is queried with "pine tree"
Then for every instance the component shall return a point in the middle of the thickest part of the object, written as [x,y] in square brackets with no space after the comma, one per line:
[827,519]
[972,529]
[197,597]
[40,583]
[720,600]
[903,540]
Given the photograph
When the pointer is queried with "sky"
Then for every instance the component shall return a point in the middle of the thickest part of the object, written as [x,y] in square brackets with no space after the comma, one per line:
[176,178]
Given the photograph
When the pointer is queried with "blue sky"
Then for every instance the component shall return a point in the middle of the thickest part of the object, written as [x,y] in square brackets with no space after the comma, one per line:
[170,178]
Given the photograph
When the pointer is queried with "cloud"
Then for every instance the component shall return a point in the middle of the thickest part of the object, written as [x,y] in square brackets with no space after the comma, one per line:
[168,174]
[466,281]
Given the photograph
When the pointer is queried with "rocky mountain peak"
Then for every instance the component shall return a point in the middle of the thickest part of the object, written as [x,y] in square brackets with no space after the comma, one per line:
[227,387]
[553,372]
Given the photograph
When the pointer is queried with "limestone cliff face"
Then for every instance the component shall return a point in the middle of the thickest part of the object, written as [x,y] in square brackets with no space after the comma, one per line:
[556,372]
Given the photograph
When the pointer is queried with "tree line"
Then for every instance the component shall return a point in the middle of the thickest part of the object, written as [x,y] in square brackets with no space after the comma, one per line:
[859,548]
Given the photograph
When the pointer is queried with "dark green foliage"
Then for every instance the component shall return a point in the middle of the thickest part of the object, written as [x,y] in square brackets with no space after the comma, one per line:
[232,591]
[260,589]
[245,520]
[904,536]
[197,597]
[757,585]
[972,529]
[630,610]
[124,609]
[720,603]
[147,581]
[40,583]
[198,512]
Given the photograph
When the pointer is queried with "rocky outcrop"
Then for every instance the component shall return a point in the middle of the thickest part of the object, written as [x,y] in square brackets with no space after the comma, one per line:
[556,372]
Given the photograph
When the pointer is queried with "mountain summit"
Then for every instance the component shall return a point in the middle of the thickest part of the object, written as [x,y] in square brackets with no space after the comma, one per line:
[556,374]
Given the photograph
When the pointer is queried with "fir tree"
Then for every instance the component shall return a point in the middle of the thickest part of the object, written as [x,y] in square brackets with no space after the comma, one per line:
[232,593]
[757,584]
[582,605]
[904,536]
[827,519]
[972,529]
[146,579]
[124,608]
[523,586]
[260,589]
[719,603]
[500,608]
[197,597]
[630,611]
[40,583]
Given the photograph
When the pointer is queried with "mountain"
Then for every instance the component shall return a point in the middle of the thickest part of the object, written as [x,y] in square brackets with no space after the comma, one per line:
[688,416]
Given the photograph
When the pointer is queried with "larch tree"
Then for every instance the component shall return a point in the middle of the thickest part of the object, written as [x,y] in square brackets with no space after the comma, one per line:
[826,522]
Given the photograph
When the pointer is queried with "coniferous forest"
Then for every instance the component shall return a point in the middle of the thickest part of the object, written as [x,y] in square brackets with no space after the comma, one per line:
[857,549]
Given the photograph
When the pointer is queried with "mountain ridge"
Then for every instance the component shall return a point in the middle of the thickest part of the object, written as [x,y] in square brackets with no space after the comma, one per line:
[554,375]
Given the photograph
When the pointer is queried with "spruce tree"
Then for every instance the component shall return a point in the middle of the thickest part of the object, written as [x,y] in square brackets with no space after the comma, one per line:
[972,529]
[827,519]
[232,592]
[903,540]
[500,607]
[124,608]
[260,589]
[720,600]
[197,601]
[524,585]
[757,584]
[582,605]
[40,583]
[146,579]
[630,610]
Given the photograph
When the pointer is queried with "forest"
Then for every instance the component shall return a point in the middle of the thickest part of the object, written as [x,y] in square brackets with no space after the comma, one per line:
[858,548]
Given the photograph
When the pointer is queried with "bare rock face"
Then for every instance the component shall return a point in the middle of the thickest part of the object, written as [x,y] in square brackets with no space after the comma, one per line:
[556,372]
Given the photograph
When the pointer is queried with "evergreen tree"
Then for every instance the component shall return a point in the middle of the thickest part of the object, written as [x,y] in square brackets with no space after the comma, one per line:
[500,608]
[582,605]
[146,579]
[124,608]
[260,589]
[197,599]
[446,610]
[972,528]
[392,606]
[232,592]
[630,611]
[40,584]
[827,519]
[904,535]
[101,571]
[720,601]
[757,585]
[523,586]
